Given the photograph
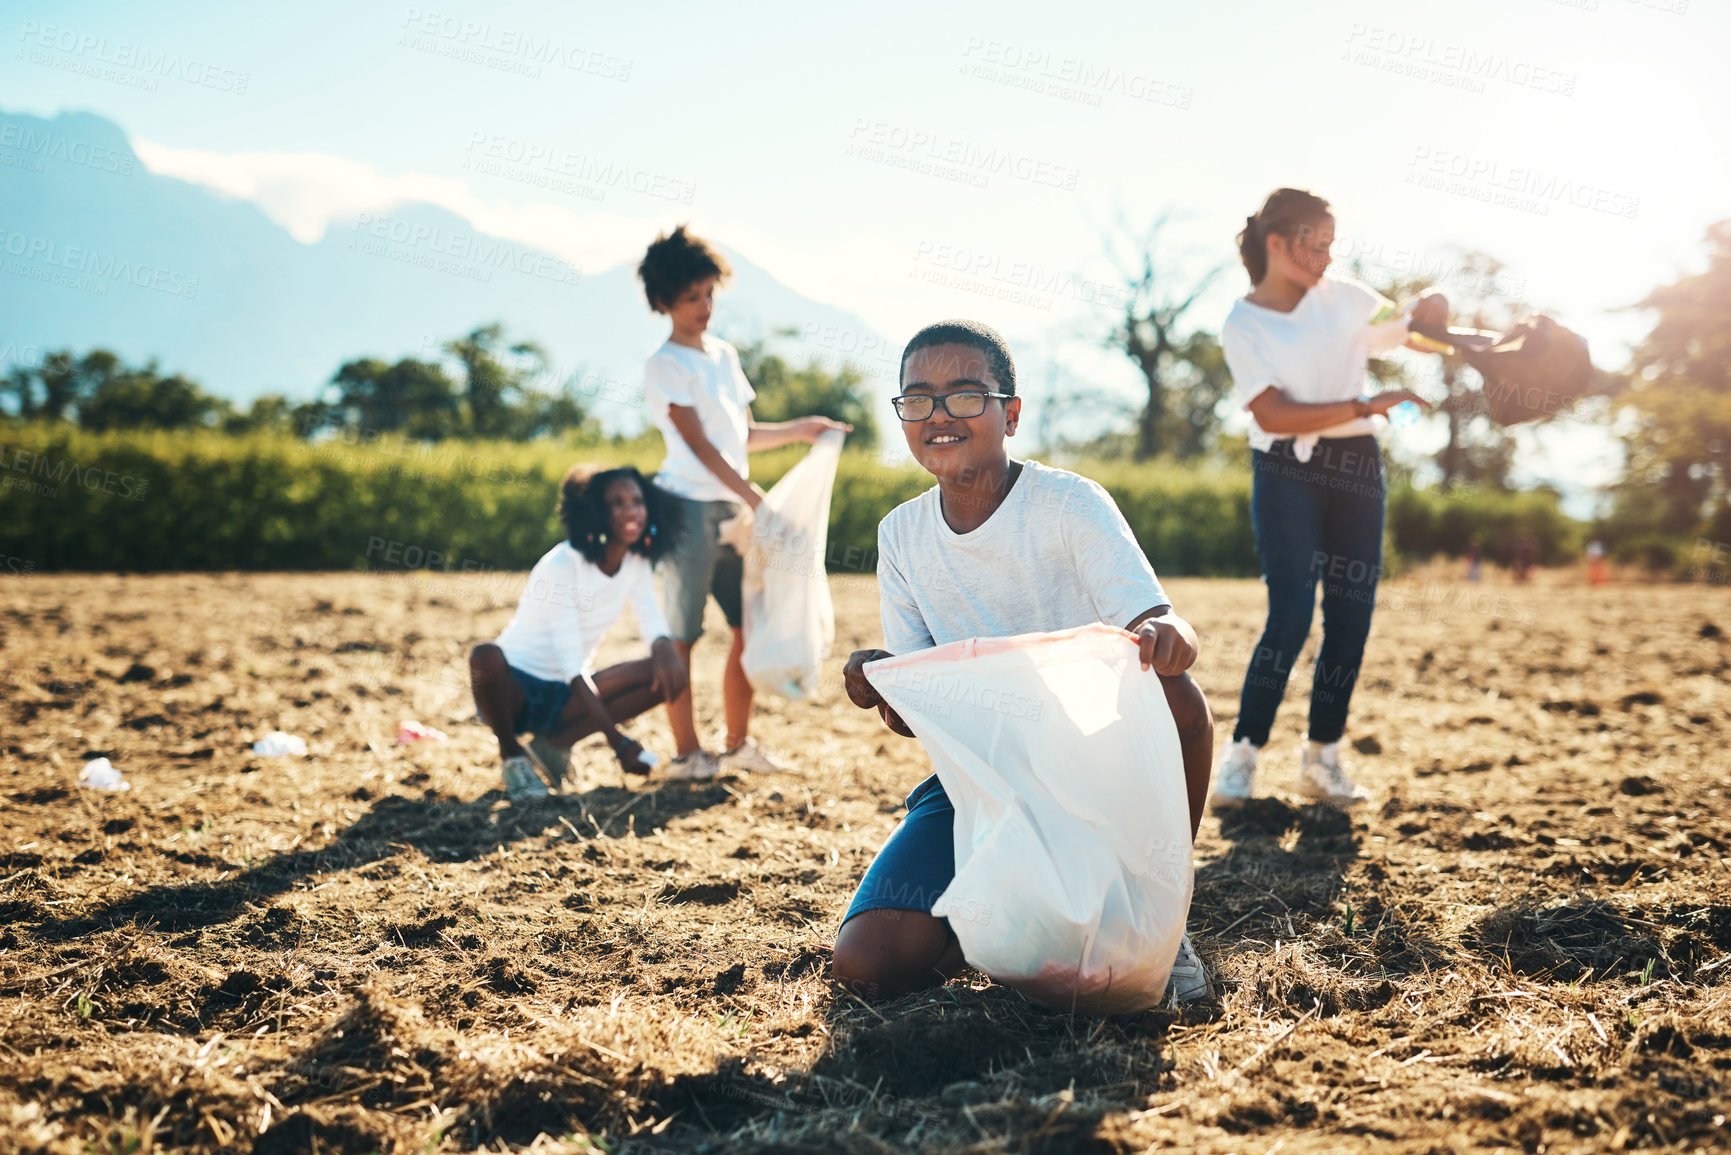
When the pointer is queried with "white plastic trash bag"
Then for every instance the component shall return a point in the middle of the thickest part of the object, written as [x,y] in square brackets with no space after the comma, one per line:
[1073,858]
[789,619]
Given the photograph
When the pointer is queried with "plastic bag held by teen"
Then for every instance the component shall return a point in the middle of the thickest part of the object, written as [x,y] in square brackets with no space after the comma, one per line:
[1073,867]
[788,616]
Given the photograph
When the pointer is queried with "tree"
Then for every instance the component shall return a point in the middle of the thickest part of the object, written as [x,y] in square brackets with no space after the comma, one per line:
[1678,476]
[785,392]
[414,398]
[493,388]
[1149,333]
[101,392]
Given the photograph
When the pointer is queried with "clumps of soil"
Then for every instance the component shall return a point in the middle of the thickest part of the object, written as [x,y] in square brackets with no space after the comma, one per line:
[1567,940]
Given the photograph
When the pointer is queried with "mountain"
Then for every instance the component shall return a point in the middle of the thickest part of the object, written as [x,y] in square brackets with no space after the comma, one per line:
[96,250]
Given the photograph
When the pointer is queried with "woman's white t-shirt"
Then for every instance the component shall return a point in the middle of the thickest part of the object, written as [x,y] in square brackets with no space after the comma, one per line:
[1319,352]
[710,381]
[568,606]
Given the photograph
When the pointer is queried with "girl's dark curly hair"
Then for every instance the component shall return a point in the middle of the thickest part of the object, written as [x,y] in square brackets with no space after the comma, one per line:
[674,263]
[583,511]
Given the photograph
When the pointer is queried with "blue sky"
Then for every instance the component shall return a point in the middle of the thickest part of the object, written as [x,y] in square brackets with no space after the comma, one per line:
[845,147]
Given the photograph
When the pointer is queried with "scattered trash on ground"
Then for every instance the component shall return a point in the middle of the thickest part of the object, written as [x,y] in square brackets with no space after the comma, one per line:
[408,731]
[276,744]
[100,774]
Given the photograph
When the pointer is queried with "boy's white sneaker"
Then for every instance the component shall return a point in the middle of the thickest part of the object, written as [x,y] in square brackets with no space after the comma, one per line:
[1189,977]
[747,757]
[522,783]
[695,766]
[1322,777]
[1235,777]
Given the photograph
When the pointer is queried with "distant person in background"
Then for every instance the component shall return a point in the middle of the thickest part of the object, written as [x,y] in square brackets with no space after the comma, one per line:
[1475,559]
[1597,574]
[699,399]
[539,677]
[1526,558]
[1298,346]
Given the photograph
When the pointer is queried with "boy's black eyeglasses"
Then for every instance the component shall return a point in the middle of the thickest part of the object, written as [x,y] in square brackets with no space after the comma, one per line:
[963,403]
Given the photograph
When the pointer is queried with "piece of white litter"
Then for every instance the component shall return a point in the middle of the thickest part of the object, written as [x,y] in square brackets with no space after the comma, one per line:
[276,744]
[100,774]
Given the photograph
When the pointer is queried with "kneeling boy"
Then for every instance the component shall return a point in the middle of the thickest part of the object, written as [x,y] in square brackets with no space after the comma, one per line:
[998,547]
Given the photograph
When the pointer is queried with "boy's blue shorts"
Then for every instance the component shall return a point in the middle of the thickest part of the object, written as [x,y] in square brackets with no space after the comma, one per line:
[918,860]
[543,702]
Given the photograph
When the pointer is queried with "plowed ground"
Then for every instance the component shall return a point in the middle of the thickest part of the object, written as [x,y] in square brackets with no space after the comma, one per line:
[1519,944]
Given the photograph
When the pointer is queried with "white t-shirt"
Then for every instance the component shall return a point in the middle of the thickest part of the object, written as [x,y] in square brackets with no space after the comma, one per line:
[567,607]
[710,381]
[1317,353]
[1055,555]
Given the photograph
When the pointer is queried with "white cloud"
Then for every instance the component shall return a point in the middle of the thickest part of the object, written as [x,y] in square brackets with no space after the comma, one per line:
[306,192]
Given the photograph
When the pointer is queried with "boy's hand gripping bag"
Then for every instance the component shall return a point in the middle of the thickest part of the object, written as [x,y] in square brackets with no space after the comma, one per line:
[789,619]
[1073,853]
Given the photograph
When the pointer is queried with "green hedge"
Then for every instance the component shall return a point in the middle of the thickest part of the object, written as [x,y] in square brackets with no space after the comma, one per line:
[204,501]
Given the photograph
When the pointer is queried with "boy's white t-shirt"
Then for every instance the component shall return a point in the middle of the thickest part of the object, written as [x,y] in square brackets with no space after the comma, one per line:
[1317,353]
[710,381]
[1056,554]
[567,607]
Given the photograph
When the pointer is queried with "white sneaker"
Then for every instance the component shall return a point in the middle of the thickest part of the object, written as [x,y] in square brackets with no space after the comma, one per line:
[1189,977]
[522,783]
[1321,776]
[1235,777]
[696,765]
[553,762]
[748,758]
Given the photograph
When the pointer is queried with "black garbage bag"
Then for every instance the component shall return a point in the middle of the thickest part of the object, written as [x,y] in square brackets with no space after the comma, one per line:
[1536,369]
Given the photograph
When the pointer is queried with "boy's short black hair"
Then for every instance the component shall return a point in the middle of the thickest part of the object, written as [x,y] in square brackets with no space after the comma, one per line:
[972,333]
[675,262]
[583,511]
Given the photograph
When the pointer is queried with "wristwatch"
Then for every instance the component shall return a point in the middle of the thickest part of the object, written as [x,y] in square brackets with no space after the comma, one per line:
[1361,406]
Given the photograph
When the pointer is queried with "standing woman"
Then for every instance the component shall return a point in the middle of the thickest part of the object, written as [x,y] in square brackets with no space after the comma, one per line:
[1298,346]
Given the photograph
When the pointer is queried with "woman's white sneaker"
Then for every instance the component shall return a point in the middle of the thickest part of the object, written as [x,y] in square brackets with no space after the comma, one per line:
[1322,777]
[1235,777]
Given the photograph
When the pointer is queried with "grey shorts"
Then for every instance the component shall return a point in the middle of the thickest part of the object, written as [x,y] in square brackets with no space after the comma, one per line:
[698,566]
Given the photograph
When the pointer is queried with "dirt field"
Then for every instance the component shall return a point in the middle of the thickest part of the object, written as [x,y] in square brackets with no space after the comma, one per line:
[1520,944]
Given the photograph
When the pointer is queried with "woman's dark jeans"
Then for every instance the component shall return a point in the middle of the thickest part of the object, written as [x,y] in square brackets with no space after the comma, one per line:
[1314,520]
